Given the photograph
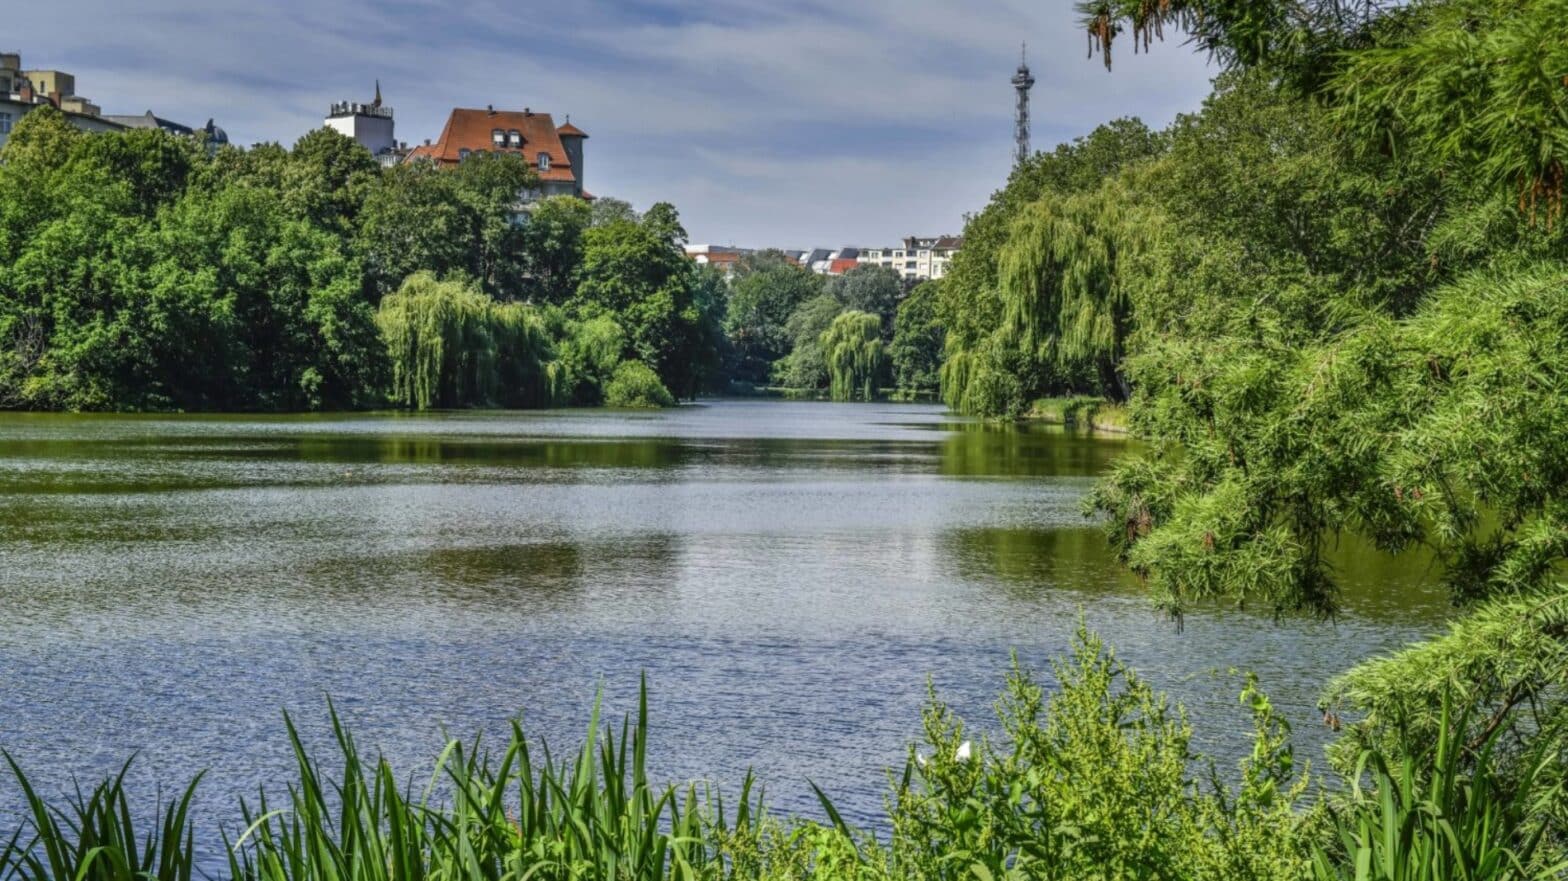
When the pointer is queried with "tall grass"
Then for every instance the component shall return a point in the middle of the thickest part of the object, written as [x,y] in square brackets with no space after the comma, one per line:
[1096,780]
[1447,811]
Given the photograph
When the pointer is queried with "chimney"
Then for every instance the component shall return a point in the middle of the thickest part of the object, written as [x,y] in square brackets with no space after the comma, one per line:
[490,109]
[527,112]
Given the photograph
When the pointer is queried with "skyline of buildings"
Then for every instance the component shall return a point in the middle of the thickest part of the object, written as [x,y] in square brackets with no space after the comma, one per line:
[556,152]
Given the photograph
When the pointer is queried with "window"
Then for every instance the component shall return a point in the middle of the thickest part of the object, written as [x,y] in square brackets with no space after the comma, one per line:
[5,123]
[544,161]
[498,136]
[516,137]
[462,155]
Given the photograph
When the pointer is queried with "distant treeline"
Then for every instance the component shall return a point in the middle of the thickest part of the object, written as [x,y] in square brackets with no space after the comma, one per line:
[140,272]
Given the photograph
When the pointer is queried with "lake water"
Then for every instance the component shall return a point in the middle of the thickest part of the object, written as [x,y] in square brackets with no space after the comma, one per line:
[788,575]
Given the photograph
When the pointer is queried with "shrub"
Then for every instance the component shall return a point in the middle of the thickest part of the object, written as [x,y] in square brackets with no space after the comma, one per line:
[636,385]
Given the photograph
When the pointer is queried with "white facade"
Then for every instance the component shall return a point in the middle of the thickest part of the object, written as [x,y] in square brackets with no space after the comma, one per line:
[918,258]
[369,124]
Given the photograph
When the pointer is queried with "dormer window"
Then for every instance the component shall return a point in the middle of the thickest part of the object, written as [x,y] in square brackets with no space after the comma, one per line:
[516,138]
[544,161]
[499,137]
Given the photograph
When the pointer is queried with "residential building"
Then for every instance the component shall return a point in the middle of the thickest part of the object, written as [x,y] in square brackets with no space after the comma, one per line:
[555,152]
[721,257]
[918,258]
[843,260]
[22,90]
[210,133]
[371,125]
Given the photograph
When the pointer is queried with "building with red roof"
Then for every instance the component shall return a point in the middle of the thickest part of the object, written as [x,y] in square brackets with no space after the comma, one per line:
[556,153]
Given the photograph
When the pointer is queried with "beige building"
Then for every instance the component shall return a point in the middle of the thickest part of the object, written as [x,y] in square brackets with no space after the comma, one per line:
[22,90]
[918,258]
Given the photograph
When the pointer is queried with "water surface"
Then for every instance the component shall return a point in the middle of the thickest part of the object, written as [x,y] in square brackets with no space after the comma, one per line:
[788,575]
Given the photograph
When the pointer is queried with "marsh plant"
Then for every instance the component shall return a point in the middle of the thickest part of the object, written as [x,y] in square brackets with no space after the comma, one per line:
[1096,777]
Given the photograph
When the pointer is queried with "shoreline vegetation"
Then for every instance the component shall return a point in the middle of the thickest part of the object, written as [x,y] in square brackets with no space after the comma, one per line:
[1096,779]
[1333,302]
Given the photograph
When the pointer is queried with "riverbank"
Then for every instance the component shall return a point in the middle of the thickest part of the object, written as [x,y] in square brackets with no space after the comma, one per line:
[1094,414]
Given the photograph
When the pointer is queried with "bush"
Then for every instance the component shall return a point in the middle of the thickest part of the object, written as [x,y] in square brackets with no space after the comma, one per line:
[636,385]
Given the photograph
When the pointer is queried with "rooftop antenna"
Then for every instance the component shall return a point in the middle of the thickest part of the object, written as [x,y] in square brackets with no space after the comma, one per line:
[1023,81]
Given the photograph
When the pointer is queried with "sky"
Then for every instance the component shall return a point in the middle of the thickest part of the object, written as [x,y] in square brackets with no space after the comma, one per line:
[786,123]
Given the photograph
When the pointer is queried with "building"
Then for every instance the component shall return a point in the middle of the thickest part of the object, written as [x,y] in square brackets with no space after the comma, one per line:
[210,133]
[918,258]
[22,90]
[844,260]
[371,125]
[721,257]
[555,152]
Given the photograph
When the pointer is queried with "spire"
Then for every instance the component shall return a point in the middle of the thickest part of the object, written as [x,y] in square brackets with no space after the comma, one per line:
[377,101]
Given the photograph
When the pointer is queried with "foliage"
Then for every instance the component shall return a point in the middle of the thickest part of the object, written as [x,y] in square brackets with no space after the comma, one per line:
[130,280]
[639,273]
[1429,430]
[453,346]
[805,366]
[916,350]
[855,356]
[873,289]
[766,291]
[1470,86]
[636,385]
[1097,781]
[552,242]
[1447,812]
[987,369]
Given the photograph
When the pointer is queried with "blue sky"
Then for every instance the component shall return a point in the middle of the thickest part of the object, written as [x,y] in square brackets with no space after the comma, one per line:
[791,123]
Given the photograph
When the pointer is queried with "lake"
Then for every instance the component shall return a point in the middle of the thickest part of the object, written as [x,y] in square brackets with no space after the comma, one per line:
[788,575]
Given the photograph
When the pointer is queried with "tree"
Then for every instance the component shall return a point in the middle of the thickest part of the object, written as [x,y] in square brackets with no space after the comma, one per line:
[552,246]
[855,356]
[983,370]
[873,289]
[327,178]
[639,273]
[412,221]
[606,210]
[916,350]
[453,346]
[766,291]
[805,367]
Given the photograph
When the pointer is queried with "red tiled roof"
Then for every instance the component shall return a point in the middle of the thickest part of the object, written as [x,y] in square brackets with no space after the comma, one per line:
[570,129]
[842,265]
[471,129]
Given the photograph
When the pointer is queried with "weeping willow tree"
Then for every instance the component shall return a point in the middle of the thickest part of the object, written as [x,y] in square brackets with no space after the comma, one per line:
[452,346]
[1065,280]
[856,356]
[1065,283]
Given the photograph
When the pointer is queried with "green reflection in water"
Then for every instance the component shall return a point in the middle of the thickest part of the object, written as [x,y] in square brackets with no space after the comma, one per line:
[978,449]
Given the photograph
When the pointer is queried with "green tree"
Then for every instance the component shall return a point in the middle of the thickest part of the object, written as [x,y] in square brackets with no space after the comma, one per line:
[873,289]
[916,351]
[805,367]
[606,210]
[453,346]
[855,356]
[553,246]
[766,291]
[639,274]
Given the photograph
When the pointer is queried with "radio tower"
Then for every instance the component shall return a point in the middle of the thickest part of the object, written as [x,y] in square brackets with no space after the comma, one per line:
[1023,81]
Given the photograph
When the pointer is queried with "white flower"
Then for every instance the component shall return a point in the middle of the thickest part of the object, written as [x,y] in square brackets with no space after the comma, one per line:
[964,752]
[920,760]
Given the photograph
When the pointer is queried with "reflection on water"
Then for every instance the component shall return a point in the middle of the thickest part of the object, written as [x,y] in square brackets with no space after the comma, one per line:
[788,574]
